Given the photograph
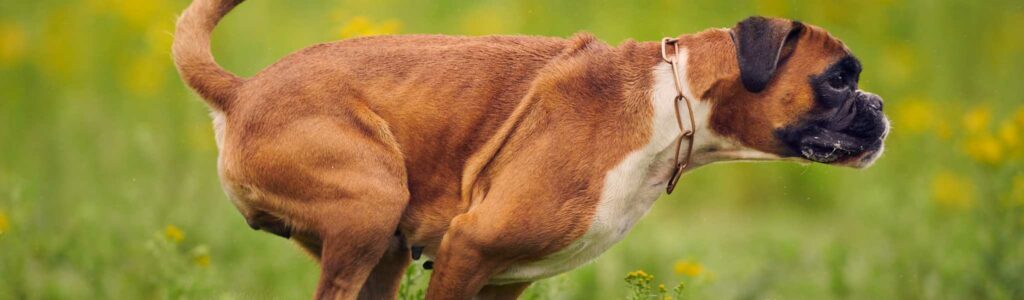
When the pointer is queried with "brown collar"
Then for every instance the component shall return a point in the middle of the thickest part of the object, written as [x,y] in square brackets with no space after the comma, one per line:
[677,171]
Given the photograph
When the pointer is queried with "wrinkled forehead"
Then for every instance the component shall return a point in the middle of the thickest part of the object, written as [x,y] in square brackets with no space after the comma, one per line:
[828,48]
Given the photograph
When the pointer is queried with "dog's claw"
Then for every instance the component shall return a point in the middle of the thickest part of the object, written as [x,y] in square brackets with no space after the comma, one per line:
[417,251]
[429,265]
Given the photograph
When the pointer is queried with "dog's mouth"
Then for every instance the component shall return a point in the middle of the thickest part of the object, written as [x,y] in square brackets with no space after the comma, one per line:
[841,150]
[854,138]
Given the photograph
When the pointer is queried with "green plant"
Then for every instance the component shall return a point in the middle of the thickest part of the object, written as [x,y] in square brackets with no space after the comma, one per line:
[641,287]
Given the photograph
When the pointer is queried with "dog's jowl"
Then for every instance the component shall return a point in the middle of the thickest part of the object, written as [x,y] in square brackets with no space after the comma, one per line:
[508,159]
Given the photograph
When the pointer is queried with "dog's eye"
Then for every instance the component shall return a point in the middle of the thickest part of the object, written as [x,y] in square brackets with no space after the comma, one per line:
[837,82]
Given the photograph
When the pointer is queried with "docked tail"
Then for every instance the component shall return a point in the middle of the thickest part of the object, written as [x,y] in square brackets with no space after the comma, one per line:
[192,53]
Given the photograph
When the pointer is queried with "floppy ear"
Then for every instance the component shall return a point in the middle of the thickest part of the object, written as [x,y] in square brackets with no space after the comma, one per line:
[761,45]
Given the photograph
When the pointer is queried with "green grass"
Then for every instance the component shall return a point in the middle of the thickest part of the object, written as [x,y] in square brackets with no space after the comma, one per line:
[102,148]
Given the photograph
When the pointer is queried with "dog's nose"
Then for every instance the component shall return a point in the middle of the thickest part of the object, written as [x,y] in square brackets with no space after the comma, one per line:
[873,101]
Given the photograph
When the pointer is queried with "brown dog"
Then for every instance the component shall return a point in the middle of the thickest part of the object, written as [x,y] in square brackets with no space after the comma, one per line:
[508,159]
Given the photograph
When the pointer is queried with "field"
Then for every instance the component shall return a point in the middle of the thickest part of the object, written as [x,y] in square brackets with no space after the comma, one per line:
[108,186]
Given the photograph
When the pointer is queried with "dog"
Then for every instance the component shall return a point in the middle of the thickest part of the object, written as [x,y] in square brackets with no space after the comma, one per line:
[508,159]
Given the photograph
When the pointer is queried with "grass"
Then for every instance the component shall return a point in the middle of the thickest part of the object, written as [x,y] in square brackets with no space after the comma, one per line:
[108,184]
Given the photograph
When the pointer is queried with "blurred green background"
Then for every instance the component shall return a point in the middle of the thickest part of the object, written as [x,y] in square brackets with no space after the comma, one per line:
[108,186]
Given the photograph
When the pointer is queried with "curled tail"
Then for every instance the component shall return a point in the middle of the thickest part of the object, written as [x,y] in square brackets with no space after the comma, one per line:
[193,57]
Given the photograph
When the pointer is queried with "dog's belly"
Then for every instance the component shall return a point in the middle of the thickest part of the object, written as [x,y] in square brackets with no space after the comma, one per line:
[629,191]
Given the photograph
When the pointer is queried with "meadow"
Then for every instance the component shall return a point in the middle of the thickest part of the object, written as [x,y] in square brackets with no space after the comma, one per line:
[108,185]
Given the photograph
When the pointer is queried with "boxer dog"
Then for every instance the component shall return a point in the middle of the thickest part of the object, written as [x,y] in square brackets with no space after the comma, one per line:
[508,159]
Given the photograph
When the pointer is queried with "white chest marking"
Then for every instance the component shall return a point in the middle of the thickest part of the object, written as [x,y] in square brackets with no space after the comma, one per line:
[630,188]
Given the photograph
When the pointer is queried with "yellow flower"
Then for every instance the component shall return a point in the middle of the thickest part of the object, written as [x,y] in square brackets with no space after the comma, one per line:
[12,43]
[688,268]
[950,190]
[4,223]
[977,120]
[640,274]
[201,256]
[363,26]
[202,260]
[661,288]
[173,233]
[1009,135]
[984,148]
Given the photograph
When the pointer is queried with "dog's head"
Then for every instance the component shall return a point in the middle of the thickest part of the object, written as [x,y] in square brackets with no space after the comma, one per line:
[796,95]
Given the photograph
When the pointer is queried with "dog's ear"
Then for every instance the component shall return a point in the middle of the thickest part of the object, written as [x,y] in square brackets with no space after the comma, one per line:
[761,45]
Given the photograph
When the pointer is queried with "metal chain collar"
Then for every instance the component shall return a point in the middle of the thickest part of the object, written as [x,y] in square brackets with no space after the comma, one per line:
[677,171]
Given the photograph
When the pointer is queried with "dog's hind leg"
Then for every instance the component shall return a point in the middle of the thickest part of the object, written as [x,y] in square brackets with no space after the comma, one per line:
[354,220]
[356,229]
[355,240]
[337,181]
[386,277]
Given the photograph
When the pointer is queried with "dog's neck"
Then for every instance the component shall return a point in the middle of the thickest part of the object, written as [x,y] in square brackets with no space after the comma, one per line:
[709,146]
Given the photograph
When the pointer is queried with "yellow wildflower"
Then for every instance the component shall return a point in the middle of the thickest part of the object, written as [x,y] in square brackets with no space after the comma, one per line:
[661,288]
[173,233]
[640,275]
[12,43]
[950,190]
[977,119]
[363,26]
[4,223]
[1009,135]
[202,260]
[201,256]
[688,268]
[984,148]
